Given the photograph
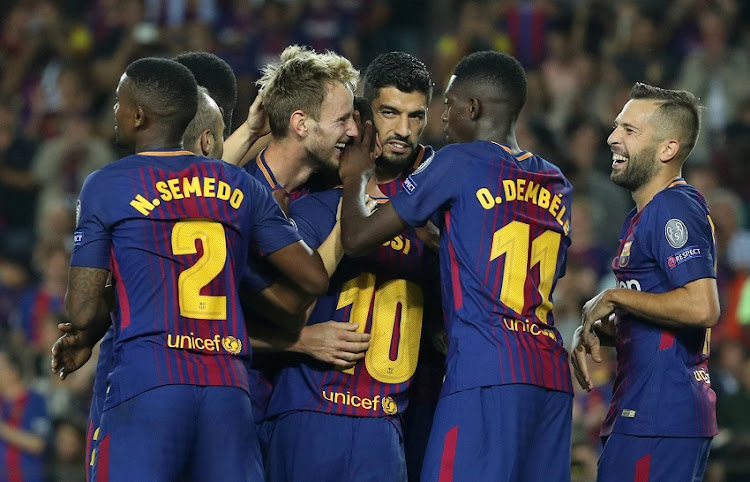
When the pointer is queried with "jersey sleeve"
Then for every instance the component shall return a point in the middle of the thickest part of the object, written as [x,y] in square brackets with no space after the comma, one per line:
[92,239]
[315,216]
[430,188]
[271,229]
[683,240]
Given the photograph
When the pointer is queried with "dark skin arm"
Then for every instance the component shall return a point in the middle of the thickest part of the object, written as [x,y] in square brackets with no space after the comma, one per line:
[86,300]
[362,232]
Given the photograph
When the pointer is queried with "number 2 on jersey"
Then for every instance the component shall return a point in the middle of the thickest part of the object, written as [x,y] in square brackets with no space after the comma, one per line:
[395,301]
[193,279]
[512,240]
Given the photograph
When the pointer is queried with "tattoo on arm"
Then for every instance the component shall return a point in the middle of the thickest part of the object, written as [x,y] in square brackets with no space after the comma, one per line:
[85,300]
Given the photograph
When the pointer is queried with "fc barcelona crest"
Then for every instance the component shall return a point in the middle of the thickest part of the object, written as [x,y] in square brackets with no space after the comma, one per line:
[625,254]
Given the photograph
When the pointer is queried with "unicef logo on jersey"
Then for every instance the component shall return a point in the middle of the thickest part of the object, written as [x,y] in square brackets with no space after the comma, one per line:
[676,233]
[389,406]
[231,344]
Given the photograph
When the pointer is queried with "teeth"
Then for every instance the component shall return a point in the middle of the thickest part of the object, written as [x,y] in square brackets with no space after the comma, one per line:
[340,145]
[618,157]
[398,144]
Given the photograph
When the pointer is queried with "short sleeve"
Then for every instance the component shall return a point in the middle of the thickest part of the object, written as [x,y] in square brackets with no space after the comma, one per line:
[315,216]
[430,188]
[271,230]
[92,239]
[683,240]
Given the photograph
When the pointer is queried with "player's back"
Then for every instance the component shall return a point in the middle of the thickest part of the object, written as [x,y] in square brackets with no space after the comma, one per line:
[507,230]
[180,227]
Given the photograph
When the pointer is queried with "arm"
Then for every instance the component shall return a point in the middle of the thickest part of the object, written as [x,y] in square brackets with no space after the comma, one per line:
[604,333]
[26,441]
[73,349]
[695,305]
[243,144]
[86,299]
[303,266]
[361,232]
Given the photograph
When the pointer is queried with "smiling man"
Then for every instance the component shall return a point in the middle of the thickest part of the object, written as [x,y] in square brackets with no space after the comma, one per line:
[663,412]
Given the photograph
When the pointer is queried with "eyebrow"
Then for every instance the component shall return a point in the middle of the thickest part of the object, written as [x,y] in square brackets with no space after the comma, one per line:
[390,107]
[627,125]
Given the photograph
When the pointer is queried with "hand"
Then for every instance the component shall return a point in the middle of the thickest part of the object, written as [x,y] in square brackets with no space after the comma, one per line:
[578,358]
[335,342]
[430,236]
[358,157]
[71,351]
[257,117]
[597,308]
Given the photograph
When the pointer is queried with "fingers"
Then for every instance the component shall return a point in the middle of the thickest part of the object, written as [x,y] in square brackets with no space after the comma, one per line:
[367,134]
[594,350]
[355,347]
[65,327]
[371,204]
[358,119]
[580,368]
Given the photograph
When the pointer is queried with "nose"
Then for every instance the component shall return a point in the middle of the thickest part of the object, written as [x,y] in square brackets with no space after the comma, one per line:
[613,138]
[403,129]
[351,128]
[444,117]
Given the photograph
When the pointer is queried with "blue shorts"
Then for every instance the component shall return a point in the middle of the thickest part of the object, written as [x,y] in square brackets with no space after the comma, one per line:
[308,445]
[501,433]
[179,432]
[640,459]
[92,434]
[417,424]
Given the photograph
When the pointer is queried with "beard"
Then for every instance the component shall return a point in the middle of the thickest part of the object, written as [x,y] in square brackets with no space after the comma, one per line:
[394,159]
[320,161]
[640,169]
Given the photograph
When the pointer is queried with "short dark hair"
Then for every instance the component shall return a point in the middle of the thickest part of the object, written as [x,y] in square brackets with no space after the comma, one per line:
[205,118]
[166,90]
[678,113]
[497,71]
[213,73]
[400,70]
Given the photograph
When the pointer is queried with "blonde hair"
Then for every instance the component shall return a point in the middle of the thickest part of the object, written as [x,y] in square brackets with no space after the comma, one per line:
[300,81]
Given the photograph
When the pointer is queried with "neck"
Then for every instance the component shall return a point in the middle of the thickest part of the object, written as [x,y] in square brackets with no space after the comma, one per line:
[287,159]
[387,172]
[643,195]
[502,134]
[157,142]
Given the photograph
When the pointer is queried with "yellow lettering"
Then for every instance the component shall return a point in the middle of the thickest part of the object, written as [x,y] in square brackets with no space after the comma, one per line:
[521,186]
[566,227]
[397,243]
[485,198]
[408,246]
[375,402]
[508,323]
[237,197]
[510,190]
[356,401]
[142,205]
[544,196]
[191,186]
[328,397]
[366,403]
[170,343]
[209,184]
[554,205]
[209,344]
[161,186]
[560,215]
[336,398]
[223,191]
[199,344]
[533,327]
[531,192]
[174,187]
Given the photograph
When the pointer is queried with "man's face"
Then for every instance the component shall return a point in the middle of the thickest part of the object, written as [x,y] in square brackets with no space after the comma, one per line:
[124,110]
[456,114]
[328,136]
[400,119]
[217,131]
[634,159]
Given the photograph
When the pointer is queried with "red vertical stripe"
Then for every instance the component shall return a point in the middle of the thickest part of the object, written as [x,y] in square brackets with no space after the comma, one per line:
[666,340]
[642,469]
[102,461]
[449,455]
[122,295]
[89,442]
[38,312]
[458,300]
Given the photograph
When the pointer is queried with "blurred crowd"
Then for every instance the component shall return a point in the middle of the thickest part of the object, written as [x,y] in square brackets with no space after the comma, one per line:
[60,62]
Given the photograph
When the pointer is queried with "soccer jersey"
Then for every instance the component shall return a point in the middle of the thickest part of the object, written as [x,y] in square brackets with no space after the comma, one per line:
[506,221]
[662,386]
[176,229]
[33,307]
[391,293]
[29,414]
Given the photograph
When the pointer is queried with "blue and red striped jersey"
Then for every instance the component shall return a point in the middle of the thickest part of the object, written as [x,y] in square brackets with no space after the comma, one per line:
[33,307]
[503,245]
[175,229]
[391,293]
[662,386]
[29,414]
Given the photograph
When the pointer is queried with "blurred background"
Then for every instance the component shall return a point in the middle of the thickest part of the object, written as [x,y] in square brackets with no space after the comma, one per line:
[60,62]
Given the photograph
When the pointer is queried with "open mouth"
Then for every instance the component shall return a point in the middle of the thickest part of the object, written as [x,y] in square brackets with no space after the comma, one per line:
[399,147]
[618,159]
[340,146]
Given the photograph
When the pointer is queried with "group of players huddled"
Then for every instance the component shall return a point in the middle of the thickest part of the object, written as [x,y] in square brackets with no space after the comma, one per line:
[398,301]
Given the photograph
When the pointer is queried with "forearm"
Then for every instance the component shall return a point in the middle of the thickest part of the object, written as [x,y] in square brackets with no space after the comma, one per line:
[678,308]
[87,301]
[332,251]
[354,214]
[26,441]
[238,145]
[267,338]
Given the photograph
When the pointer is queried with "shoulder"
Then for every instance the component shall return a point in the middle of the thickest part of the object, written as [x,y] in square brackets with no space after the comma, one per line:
[328,200]
[680,199]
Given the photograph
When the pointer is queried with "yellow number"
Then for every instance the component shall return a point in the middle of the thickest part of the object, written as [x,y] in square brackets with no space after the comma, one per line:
[512,240]
[361,294]
[192,280]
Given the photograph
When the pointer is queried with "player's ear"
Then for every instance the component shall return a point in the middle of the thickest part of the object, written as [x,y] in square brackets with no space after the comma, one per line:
[668,150]
[298,122]
[475,108]
[206,141]
[139,116]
